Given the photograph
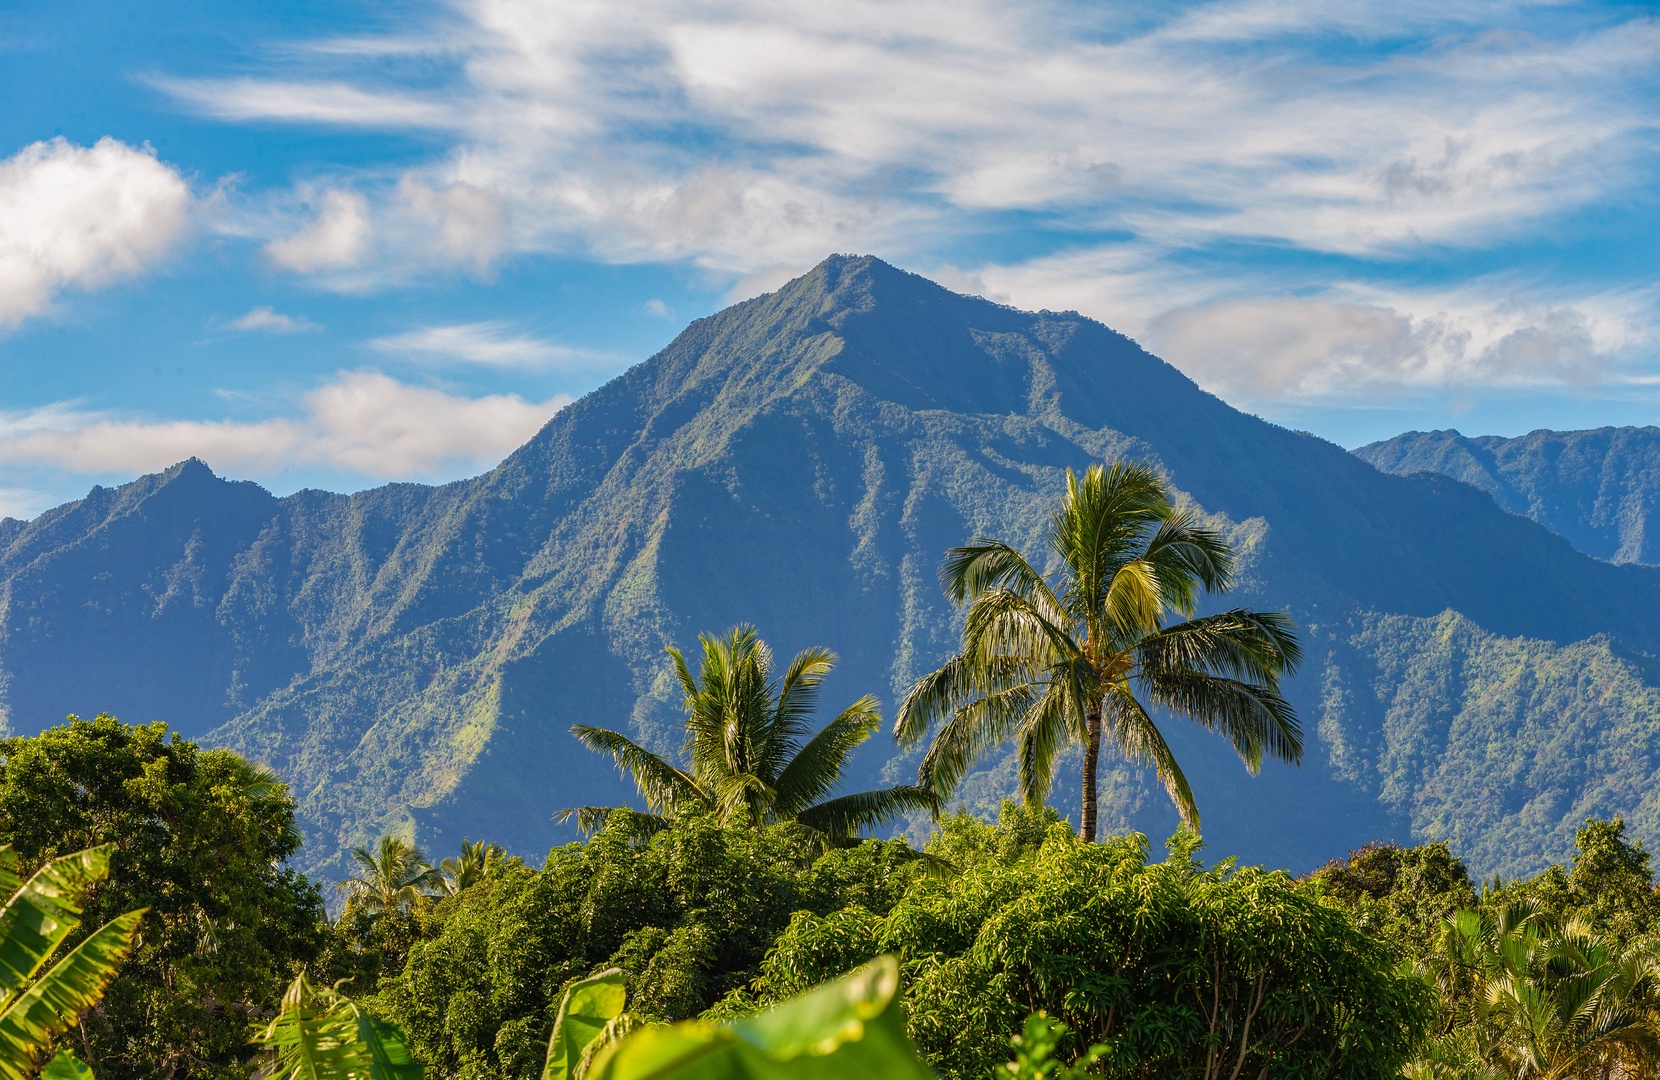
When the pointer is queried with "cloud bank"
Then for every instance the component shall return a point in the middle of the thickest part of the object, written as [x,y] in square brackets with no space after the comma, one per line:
[362,422]
[82,217]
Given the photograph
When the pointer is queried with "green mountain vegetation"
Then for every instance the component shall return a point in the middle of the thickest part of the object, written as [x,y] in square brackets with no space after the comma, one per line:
[413,658]
[1600,489]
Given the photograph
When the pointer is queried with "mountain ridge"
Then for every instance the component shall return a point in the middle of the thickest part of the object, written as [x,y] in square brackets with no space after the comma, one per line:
[1598,488]
[411,657]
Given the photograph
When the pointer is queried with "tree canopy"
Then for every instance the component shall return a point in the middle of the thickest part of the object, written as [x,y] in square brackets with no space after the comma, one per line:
[199,839]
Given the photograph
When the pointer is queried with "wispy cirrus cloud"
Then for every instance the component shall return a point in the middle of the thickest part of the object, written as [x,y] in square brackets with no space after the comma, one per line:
[493,344]
[266,319]
[750,139]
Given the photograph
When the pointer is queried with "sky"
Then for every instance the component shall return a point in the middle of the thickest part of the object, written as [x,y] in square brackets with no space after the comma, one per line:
[339,244]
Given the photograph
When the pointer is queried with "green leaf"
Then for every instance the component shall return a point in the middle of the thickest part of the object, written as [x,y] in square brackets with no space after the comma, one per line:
[43,912]
[73,985]
[587,1008]
[851,1027]
[65,1066]
[323,1035]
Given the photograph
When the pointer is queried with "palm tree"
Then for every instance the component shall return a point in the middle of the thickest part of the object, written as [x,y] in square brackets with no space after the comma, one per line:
[1526,999]
[750,758]
[477,859]
[392,877]
[1050,665]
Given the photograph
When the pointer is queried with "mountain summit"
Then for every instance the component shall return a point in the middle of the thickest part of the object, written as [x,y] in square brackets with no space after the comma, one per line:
[412,657]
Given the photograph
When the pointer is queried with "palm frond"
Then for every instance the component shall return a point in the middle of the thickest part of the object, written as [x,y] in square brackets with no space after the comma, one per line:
[1253,717]
[850,815]
[663,787]
[1254,646]
[816,768]
[1135,735]
[43,912]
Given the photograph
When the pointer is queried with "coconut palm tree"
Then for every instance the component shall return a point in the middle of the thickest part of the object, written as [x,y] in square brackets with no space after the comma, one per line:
[1083,657]
[477,859]
[748,757]
[391,877]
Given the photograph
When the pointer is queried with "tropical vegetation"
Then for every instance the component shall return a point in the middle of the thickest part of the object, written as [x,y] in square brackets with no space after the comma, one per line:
[751,755]
[40,1004]
[1088,655]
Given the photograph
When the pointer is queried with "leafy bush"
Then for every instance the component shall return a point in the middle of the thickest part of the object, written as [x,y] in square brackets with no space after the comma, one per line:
[199,839]
[1172,968]
[687,915]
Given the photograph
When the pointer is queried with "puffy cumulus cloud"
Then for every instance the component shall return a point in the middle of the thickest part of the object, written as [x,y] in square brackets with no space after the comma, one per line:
[741,134]
[487,344]
[338,237]
[362,422]
[265,319]
[73,216]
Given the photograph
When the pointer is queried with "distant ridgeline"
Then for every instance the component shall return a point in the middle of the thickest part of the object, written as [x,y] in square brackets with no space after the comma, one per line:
[413,656]
[1599,489]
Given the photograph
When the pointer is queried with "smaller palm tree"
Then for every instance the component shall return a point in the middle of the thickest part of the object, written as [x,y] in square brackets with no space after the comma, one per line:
[750,755]
[393,876]
[477,859]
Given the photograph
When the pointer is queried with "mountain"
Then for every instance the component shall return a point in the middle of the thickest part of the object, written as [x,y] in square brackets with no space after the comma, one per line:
[1600,489]
[412,657]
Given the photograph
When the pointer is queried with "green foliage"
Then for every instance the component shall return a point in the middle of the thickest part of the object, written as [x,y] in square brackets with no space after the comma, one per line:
[1402,895]
[38,1006]
[65,1066]
[323,1035]
[393,876]
[1047,664]
[1037,1053]
[750,759]
[1171,967]
[589,1009]
[198,838]
[1523,996]
[686,915]
[852,1026]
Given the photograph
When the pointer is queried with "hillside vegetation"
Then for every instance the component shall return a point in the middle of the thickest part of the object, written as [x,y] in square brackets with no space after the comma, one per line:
[412,658]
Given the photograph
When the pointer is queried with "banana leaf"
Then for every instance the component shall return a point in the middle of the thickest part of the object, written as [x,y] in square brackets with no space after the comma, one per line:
[850,1028]
[65,1066]
[44,911]
[52,1003]
[587,1008]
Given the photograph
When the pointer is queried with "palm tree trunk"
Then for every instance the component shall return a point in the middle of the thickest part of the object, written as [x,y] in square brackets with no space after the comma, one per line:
[1092,755]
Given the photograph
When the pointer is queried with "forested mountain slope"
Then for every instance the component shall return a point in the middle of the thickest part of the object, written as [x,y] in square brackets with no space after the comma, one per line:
[412,657]
[1600,489]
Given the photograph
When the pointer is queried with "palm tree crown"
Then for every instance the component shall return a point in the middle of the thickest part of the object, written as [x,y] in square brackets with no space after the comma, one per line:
[392,876]
[459,873]
[750,757]
[1051,664]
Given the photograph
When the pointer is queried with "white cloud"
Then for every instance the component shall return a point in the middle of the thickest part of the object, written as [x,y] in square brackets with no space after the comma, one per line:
[339,237]
[362,422]
[74,216]
[863,124]
[487,344]
[268,320]
[657,309]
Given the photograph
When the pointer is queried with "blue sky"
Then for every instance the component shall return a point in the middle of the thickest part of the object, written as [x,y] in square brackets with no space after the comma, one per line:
[336,244]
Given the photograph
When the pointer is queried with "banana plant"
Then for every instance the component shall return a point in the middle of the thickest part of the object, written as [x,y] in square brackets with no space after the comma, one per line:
[320,1034]
[852,1026]
[35,1006]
